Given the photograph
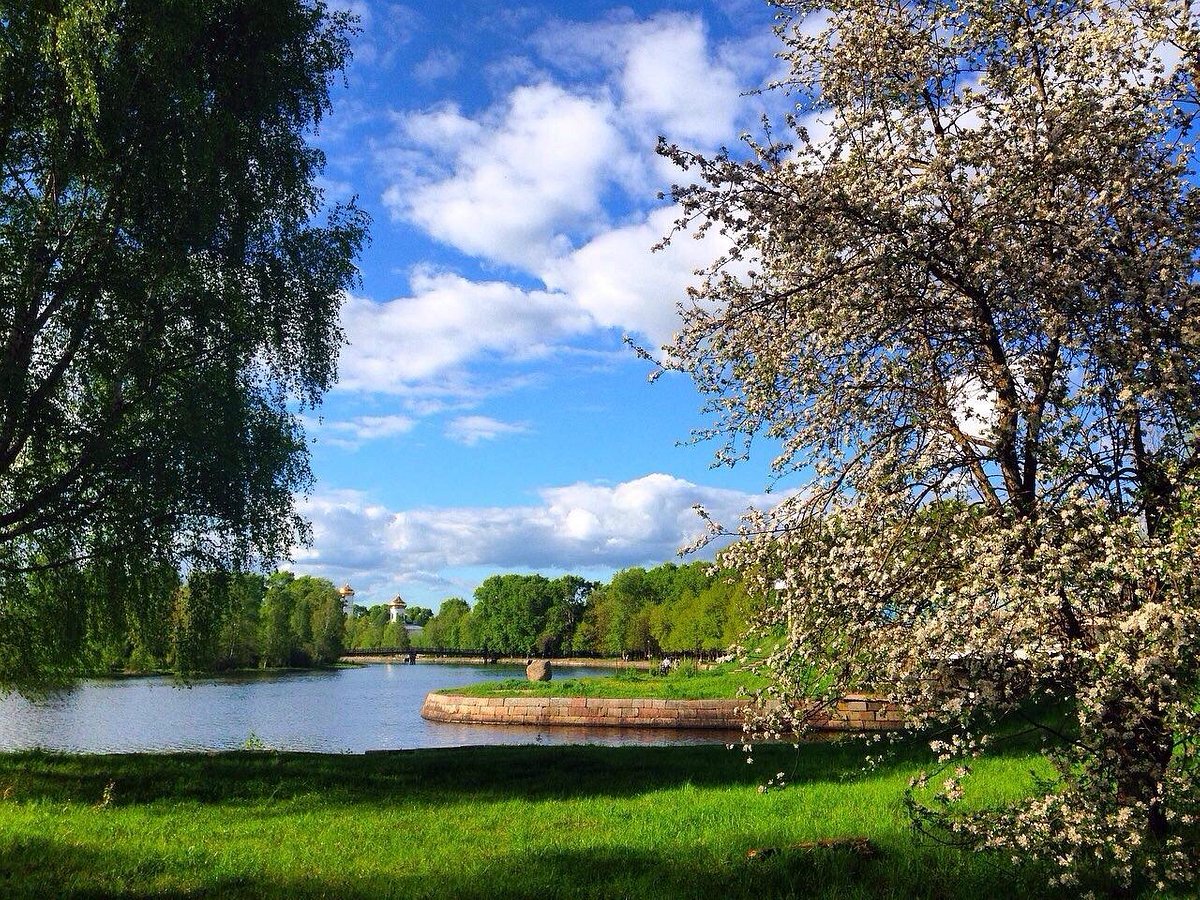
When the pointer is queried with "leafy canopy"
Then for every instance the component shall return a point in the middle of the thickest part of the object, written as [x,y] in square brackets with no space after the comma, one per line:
[168,301]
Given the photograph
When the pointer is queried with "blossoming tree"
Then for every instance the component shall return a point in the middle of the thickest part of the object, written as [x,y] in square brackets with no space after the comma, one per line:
[964,301]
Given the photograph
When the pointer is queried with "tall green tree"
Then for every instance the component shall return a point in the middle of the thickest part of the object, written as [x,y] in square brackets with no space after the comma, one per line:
[364,629]
[510,611]
[451,628]
[395,635]
[166,292]
[237,640]
[276,640]
[216,621]
[302,621]
[569,595]
[324,630]
[626,603]
[966,301]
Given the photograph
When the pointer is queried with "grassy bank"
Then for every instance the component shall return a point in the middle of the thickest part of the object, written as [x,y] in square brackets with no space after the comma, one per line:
[479,822]
[719,683]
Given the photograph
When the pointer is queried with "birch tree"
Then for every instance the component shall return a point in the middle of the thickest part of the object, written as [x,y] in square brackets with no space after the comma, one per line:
[170,280]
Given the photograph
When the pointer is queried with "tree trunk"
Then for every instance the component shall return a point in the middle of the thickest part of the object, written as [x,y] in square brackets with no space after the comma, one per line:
[1141,759]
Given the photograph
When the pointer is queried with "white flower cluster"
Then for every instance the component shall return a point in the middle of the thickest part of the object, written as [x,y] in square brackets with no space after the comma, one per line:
[990,617]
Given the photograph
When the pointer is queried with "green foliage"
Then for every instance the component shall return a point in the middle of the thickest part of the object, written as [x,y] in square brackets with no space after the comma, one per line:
[395,635]
[221,621]
[640,612]
[165,293]
[452,627]
[369,629]
[517,614]
[237,645]
[364,627]
[417,615]
[253,743]
[301,622]
[670,608]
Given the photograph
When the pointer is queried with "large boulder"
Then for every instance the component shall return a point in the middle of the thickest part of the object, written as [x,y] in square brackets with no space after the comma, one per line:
[539,670]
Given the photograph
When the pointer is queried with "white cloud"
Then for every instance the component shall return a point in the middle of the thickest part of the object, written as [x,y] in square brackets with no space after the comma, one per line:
[425,343]
[673,85]
[529,178]
[640,522]
[349,536]
[470,430]
[447,321]
[441,126]
[669,77]
[536,181]
[437,65]
[353,433]
[535,168]
[621,284]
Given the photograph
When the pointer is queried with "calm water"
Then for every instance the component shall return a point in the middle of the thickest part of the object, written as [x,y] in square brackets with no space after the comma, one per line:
[375,707]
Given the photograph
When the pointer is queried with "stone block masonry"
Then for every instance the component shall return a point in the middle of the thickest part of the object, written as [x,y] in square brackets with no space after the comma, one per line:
[854,713]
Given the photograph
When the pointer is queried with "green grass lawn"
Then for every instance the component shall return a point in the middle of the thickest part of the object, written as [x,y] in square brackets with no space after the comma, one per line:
[480,822]
[719,683]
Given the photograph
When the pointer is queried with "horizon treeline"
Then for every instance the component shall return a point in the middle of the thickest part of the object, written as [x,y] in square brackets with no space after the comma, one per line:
[667,609]
[221,622]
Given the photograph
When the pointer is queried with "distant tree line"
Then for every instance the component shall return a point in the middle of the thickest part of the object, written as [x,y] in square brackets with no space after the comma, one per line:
[220,622]
[667,609]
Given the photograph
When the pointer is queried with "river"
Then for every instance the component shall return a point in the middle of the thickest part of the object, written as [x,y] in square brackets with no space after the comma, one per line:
[352,710]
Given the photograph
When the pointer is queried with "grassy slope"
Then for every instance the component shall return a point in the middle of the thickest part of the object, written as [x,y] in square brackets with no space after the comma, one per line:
[716,684]
[477,822]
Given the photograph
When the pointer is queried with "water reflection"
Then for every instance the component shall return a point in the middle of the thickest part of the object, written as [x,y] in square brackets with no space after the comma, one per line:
[374,707]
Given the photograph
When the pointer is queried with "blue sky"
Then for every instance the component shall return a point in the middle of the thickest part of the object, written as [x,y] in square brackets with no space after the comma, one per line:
[489,417]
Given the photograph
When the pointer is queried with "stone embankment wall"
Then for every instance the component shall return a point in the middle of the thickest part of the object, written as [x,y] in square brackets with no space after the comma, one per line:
[855,713]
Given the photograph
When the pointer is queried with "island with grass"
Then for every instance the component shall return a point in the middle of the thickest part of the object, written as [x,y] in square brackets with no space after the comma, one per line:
[688,696]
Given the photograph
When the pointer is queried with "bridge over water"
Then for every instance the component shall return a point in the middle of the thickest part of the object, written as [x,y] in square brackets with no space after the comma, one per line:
[493,656]
[459,653]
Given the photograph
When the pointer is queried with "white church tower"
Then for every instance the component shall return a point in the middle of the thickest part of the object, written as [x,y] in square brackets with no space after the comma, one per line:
[396,610]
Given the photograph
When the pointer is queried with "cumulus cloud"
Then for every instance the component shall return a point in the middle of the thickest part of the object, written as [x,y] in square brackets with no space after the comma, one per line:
[527,179]
[530,182]
[349,535]
[669,77]
[535,168]
[446,321]
[471,430]
[640,522]
[424,344]
[620,283]
[556,178]
[672,83]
